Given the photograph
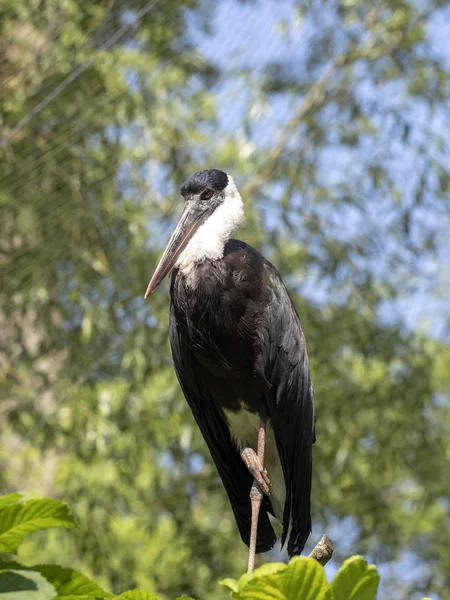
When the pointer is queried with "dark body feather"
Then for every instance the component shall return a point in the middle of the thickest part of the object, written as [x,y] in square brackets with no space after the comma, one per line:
[237,342]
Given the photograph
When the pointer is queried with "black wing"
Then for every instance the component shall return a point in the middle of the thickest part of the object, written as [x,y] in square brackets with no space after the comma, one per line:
[235,476]
[290,405]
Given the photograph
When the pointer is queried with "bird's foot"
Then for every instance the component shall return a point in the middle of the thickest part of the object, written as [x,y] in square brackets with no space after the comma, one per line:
[256,469]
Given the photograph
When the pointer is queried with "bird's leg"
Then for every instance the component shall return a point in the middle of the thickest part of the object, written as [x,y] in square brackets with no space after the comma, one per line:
[256,495]
[255,466]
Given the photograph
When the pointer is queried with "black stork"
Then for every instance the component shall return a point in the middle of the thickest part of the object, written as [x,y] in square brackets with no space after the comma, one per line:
[240,356]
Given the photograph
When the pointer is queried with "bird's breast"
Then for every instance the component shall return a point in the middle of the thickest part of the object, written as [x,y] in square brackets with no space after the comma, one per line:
[217,317]
[220,323]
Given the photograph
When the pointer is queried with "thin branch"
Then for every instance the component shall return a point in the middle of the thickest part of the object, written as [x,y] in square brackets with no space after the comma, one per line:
[323,550]
[315,96]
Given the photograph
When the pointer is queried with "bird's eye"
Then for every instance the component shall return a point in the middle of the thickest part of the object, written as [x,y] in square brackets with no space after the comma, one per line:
[206,195]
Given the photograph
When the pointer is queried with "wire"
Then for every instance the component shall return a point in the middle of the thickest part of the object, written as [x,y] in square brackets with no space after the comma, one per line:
[100,88]
[37,47]
[78,71]
[30,166]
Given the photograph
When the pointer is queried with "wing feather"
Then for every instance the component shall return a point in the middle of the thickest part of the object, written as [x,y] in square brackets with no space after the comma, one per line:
[290,404]
[235,476]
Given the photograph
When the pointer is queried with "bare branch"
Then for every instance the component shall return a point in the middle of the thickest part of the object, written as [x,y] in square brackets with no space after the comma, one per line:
[323,550]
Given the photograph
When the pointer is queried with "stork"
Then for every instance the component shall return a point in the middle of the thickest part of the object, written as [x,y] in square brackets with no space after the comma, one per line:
[240,357]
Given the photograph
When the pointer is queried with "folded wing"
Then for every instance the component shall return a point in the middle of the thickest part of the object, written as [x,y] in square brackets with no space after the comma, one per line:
[235,476]
[290,404]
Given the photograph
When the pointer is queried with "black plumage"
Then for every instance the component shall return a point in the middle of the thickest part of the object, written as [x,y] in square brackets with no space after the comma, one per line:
[214,179]
[237,342]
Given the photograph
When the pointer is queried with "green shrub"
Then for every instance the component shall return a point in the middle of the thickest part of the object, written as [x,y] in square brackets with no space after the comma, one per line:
[301,579]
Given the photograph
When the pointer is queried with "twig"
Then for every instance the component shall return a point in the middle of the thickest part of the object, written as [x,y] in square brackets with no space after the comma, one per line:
[315,95]
[323,550]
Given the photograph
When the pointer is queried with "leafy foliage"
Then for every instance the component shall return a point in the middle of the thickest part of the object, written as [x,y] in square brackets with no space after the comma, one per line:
[67,584]
[137,595]
[301,579]
[304,578]
[18,518]
[12,581]
[25,585]
[355,580]
[45,582]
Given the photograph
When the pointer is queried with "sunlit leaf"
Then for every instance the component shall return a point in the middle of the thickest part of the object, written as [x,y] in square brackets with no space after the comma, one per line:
[302,579]
[355,580]
[137,595]
[32,515]
[10,499]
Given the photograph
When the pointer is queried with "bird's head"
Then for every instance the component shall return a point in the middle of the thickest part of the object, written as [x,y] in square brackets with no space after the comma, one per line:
[212,212]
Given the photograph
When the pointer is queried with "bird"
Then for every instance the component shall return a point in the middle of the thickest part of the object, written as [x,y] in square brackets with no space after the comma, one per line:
[240,356]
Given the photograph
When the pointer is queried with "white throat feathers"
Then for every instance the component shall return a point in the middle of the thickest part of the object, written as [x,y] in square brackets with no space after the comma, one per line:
[210,238]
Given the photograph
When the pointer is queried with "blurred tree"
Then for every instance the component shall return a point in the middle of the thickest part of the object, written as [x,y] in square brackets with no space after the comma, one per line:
[90,409]
[105,108]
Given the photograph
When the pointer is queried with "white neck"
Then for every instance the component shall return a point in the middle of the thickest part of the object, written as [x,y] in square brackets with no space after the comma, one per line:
[210,238]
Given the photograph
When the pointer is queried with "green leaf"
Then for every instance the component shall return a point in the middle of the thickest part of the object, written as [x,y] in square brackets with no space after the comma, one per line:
[11,581]
[185,598]
[137,595]
[20,518]
[69,584]
[25,585]
[262,571]
[10,499]
[355,580]
[231,584]
[235,585]
[302,579]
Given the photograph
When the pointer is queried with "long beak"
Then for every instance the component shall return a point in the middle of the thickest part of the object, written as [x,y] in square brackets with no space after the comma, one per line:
[191,219]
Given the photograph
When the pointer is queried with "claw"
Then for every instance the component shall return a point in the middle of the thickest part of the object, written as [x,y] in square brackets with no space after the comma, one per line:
[253,464]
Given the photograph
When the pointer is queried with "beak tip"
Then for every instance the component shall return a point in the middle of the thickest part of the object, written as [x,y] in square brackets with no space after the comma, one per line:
[188,223]
[148,291]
